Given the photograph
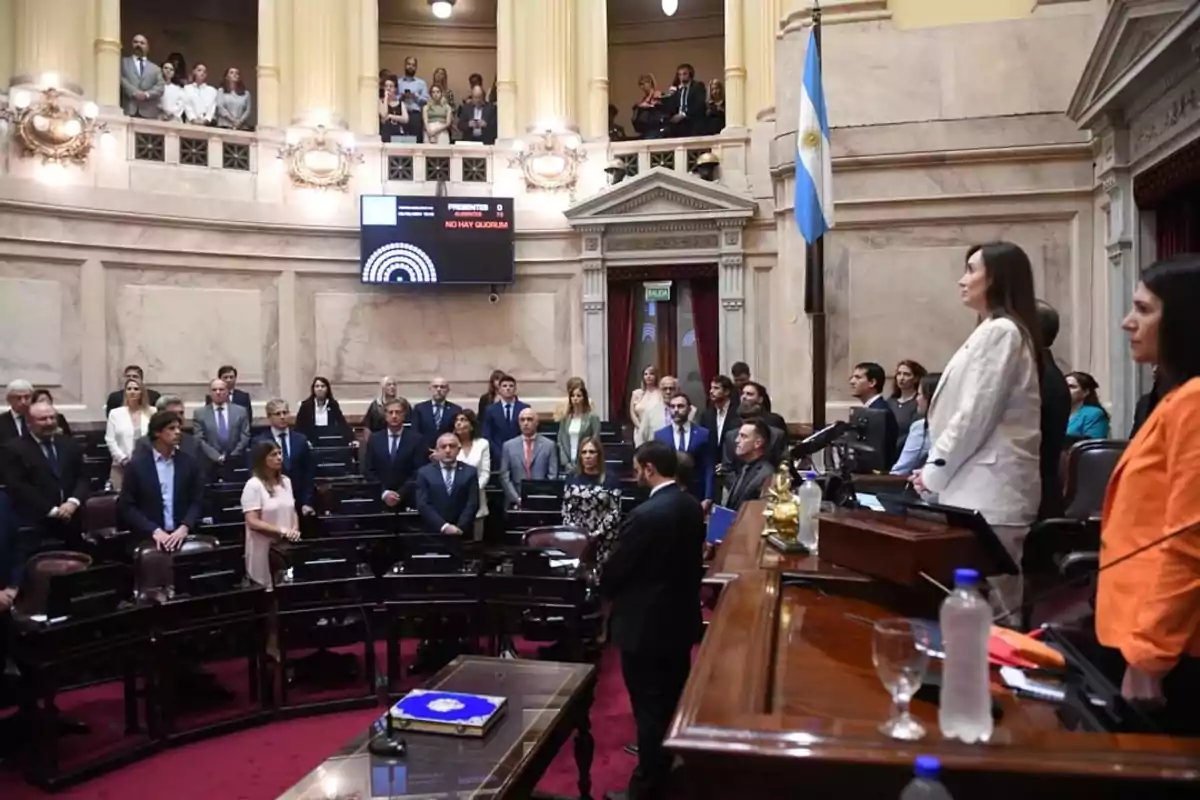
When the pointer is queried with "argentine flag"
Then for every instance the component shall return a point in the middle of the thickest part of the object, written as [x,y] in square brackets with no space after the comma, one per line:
[814,163]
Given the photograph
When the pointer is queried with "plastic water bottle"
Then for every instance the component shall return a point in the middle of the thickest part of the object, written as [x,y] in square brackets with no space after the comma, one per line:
[809,496]
[965,709]
[925,784]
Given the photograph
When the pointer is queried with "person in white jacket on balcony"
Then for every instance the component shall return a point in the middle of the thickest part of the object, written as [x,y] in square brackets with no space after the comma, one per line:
[199,99]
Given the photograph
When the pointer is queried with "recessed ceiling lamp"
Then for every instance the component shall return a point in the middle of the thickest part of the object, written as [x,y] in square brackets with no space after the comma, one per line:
[669,7]
[442,9]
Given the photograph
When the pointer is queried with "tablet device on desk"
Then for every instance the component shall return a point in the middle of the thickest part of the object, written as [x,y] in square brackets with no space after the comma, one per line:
[868,501]
[719,521]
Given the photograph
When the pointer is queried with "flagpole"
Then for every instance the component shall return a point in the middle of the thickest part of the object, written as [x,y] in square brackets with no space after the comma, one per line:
[814,288]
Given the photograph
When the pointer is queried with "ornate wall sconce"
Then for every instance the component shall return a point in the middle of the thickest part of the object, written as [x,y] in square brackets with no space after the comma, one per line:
[320,159]
[549,159]
[56,126]
[706,166]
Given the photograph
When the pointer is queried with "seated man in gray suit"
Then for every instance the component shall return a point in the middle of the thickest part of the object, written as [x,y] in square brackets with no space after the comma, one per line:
[223,425]
[142,82]
[527,456]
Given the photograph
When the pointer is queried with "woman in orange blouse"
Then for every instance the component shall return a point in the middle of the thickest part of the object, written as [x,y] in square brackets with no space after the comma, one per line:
[1148,607]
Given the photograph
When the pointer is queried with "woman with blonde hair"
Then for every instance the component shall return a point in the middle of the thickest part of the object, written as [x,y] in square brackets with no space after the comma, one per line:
[645,397]
[649,118]
[126,424]
[376,418]
[269,507]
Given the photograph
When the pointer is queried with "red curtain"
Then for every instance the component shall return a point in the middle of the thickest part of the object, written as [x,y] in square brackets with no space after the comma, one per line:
[1177,224]
[706,316]
[620,347]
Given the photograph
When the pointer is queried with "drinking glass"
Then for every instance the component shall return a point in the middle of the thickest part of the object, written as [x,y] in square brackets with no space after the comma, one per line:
[900,652]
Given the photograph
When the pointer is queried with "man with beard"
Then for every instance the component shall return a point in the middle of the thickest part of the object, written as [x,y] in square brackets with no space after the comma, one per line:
[414,93]
[653,579]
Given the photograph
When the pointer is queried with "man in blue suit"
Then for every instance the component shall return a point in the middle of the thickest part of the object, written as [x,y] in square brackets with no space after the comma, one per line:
[447,491]
[685,437]
[168,517]
[393,456]
[501,420]
[867,383]
[298,462]
[435,416]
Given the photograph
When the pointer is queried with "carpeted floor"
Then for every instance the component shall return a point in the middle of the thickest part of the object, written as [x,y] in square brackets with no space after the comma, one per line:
[262,762]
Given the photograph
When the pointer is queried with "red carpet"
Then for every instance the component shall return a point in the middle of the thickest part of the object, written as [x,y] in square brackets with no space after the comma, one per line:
[261,763]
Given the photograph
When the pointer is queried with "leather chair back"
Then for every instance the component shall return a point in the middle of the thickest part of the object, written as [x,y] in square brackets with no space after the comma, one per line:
[571,540]
[154,569]
[100,517]
[35,588]
[1089,466]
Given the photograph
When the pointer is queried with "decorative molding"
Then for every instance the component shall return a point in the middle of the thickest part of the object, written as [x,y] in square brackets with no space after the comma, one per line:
[733,238]
[1174,112]
[661,195]
[1118,251]
[836,12]
[1020,154]
[593,306]
[733,303]
[693,242]
[732,261]
[591,244]
[1129,49]
[663,227]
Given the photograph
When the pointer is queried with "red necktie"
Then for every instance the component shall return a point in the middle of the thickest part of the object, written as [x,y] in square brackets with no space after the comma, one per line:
[529,458]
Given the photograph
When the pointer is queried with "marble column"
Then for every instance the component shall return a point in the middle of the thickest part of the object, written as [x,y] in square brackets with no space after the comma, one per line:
[318,67]
[7,43]
[591,28]
[106,49]
[48,40]
[506,85]
[546,63]
[761,29]
[735,65]
[268,64]
[731,289]
[365,119]
[1119,262]
[595,319]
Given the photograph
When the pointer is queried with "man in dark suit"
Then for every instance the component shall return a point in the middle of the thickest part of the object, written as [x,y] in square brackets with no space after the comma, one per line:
[229,375]
[684,437]
[756,468]
[435,416]
[447,490]
[501,418]
[751,411]
[116,399]
[142,506]
[721,414]
[298,461]
[686,104]
[47,486]
[653,578]
[13,422]
[477,118]
[393,456]
[1056,412]
[867,383]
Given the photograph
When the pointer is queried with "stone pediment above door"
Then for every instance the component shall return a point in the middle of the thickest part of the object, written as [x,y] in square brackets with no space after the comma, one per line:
[1134,34]
[661,195]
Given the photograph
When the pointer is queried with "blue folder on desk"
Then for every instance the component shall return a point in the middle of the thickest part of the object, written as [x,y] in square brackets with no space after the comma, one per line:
[719,520]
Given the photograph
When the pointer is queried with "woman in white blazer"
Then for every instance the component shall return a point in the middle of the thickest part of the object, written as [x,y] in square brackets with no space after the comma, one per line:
[985,417]
[126,424]
[478,453]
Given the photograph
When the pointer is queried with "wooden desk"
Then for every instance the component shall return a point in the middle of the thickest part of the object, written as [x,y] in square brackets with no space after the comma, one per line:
[783,701]
[547,701]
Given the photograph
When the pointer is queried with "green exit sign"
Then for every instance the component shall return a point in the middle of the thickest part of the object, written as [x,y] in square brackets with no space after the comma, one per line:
[658,291]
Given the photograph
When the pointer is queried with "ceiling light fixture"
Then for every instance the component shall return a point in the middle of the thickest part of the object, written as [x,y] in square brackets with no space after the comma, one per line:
[669,7]
[442,9]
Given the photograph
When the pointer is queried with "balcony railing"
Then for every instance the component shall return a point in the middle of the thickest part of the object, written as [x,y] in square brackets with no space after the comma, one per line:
[680,155]
[416,163]
[152,141]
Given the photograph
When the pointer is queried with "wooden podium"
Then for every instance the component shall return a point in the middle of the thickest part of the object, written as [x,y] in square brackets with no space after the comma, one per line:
[783,699]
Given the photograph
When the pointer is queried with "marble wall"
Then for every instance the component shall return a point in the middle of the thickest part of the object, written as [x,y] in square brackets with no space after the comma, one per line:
[84,293]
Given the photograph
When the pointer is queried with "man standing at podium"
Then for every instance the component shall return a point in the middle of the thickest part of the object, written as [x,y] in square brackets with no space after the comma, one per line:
[653,577]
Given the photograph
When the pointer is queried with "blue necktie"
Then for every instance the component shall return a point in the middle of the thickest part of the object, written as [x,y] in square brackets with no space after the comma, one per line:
[448,477]
[51,456]
[287,455]
[222,425]
[437,415]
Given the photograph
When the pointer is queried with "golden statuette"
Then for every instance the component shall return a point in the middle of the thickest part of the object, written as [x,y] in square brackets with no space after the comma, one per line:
[782,511]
